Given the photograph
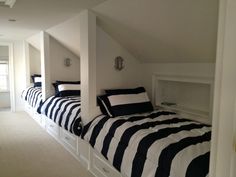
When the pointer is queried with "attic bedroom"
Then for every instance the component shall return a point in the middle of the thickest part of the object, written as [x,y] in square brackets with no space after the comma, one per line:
[117,88]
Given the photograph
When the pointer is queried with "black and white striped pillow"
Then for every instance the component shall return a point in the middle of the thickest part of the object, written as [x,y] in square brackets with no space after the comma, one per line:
[37,80]
[121,102]
[67,88]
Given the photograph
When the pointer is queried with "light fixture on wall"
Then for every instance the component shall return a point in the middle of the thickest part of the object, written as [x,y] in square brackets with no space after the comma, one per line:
[67,62]
[119,63]
[7,3]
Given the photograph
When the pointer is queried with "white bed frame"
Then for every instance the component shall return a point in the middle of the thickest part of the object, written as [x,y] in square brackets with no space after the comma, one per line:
[36,116]
[72,143]
[82,151]
[79,149]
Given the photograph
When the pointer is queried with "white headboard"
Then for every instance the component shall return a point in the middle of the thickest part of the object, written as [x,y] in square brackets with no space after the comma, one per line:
[192,95]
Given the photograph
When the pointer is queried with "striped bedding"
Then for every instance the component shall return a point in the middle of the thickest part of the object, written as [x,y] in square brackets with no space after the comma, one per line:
[156,144]
[65,111]
[33,96]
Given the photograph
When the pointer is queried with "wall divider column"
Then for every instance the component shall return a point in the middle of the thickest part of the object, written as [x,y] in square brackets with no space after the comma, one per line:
[87,30]
[45,65]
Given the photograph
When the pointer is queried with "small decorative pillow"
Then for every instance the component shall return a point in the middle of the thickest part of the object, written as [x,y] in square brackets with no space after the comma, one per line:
[128,101]
[67,88]
[37,80]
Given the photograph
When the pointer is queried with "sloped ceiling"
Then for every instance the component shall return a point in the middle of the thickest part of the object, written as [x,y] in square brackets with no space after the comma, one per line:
[163,30]
[67,33]
[35,41]
[33,16]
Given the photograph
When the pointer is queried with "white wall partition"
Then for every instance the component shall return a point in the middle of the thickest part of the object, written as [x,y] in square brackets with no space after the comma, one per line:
[27,63]
[45,65]
[88,65]
[223,139]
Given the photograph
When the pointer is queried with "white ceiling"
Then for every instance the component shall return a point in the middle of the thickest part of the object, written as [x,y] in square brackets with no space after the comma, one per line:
[35,15]
[67,33]
[152,30]
[163,30]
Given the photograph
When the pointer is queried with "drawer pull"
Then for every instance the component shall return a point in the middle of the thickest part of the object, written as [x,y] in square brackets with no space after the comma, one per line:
[105,170]
[67,138]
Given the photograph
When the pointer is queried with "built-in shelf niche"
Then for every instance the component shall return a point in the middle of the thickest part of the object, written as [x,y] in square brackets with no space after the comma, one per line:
[191,96]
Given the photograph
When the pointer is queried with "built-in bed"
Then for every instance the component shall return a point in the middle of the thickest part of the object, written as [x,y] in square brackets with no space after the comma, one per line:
[136,140]
[32,97]
[130,139]
[60,115]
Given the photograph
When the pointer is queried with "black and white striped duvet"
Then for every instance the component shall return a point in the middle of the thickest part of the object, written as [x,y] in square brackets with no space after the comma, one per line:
[33,96]
[153,144]
[65,111]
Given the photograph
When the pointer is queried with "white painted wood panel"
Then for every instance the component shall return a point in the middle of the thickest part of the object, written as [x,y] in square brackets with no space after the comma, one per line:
[224,103]
[88,65]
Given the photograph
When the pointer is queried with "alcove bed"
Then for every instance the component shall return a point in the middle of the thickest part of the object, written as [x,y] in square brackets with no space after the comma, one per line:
[59,112]
[94,80]
[32,95]
[105,134]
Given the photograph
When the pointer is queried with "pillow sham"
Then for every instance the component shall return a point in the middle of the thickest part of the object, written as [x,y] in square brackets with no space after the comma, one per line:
[55,85]
[67,88]
[37,80]
[121,102]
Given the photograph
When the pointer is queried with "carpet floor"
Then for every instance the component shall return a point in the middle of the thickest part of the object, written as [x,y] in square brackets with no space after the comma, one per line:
[26,150]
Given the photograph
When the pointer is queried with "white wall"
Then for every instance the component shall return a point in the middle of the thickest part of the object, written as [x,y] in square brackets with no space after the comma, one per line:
[107,77]
[136,73]
[3,51]
[58,53]
[34,60]
[19,73]
[190,69]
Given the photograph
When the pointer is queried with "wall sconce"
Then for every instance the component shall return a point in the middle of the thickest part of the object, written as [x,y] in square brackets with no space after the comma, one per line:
[67,62]
[119,63]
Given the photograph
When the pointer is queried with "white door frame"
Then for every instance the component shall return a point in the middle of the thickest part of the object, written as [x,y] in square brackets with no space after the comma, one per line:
[11,74]
[217,156]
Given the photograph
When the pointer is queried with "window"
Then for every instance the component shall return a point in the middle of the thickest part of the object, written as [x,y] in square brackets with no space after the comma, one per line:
[4,86]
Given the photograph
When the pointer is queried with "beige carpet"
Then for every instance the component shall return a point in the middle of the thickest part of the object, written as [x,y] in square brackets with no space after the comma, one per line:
[26,150]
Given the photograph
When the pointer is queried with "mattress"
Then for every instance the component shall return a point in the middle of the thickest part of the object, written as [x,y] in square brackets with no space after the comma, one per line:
[64,111]
[155,144]
[33,96]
